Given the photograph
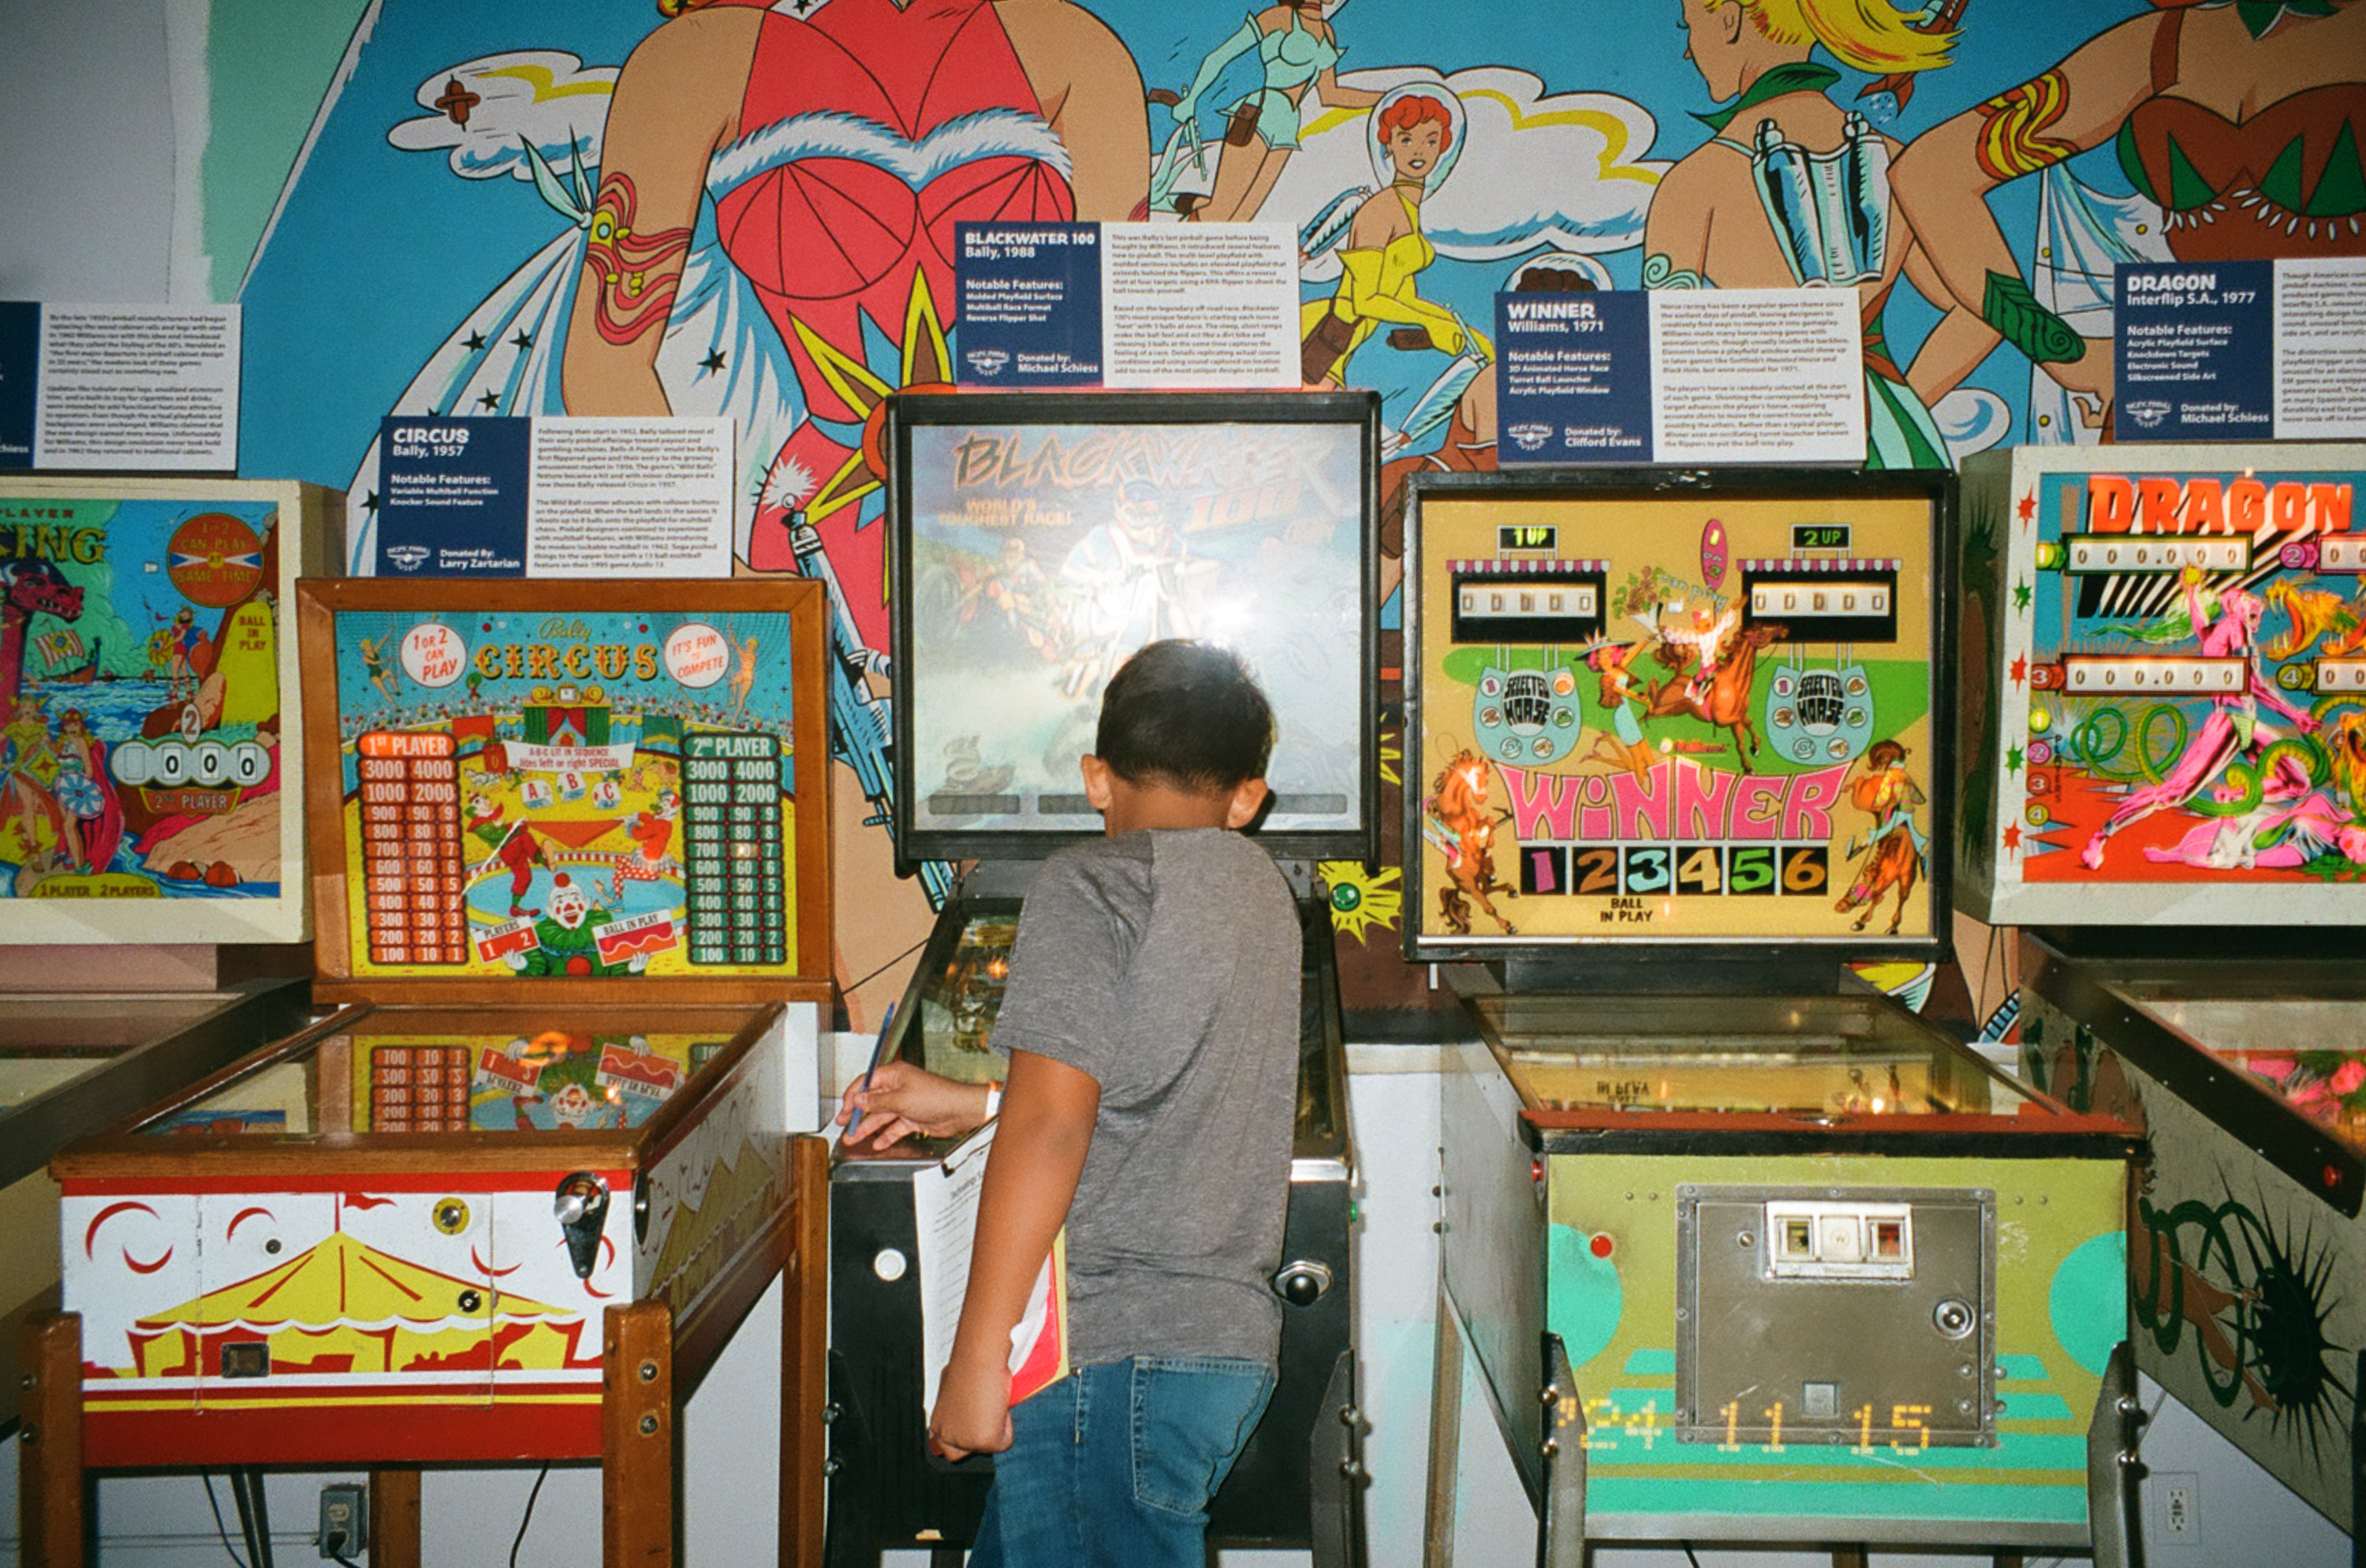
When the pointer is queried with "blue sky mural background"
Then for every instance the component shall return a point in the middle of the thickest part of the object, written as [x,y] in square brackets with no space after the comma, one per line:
[378,253]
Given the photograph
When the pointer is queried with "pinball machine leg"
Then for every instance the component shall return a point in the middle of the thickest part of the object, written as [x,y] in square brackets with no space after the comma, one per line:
[1561,1529]
[1335,1479]
[1444,1439]
[638,1470]
[53,1504]
[806,1409]
[2358,1466]
[394,1518]
[2113,1472]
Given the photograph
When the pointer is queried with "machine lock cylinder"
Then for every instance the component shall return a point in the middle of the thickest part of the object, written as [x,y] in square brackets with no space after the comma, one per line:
[582,1205]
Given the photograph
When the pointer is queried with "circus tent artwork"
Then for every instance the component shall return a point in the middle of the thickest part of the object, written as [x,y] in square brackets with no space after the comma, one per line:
[345,1307]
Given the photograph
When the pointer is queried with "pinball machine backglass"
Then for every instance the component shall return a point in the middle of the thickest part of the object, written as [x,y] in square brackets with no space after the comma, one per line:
[2165,688]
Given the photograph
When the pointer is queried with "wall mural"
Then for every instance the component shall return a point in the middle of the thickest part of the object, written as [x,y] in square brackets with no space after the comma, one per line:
[644,205]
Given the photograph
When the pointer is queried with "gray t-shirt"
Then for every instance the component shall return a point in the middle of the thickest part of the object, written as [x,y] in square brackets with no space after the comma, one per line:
[1164,965]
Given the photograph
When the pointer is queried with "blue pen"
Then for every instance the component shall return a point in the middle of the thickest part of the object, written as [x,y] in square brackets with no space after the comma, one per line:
[878,1054]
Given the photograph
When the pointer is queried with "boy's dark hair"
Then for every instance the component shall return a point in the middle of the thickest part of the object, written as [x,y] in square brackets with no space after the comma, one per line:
[1186,713]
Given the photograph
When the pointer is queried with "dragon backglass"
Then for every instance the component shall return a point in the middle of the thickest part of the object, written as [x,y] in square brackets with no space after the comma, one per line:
[2167,722]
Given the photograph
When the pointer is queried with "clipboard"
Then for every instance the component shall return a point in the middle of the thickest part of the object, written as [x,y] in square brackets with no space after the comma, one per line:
[944,1205]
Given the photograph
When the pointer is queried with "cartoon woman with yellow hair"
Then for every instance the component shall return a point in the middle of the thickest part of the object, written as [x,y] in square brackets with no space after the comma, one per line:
[1793,191]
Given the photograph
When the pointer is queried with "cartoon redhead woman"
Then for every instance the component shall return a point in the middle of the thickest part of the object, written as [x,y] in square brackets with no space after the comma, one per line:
[1415,142]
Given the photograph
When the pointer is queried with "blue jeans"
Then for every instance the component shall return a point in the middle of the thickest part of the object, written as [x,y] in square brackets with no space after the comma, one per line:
[1114,1465]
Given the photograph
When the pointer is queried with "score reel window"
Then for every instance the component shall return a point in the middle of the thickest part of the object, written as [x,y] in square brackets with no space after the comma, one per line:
[1820,599]
[1528,601]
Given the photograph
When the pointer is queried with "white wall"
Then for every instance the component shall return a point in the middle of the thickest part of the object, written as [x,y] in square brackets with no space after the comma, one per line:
[88,175]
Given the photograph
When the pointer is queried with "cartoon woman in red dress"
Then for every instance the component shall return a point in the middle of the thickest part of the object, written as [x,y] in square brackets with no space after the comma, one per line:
[839,150]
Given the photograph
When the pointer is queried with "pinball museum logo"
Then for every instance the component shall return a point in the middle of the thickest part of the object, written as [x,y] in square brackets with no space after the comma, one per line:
[2145,414]
[988,362]
[1529,436]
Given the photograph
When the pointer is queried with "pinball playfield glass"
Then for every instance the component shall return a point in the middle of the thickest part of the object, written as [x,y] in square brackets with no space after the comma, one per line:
[2165,717]
[570,852]
[149,728]
[1041,539]
[1739,1251]
[2246,1242]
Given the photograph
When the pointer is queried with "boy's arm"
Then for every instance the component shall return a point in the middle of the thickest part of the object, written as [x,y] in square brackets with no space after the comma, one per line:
[1030,1176]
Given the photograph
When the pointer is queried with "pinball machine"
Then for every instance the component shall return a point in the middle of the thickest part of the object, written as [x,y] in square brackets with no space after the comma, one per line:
[1740,1248]
[1039,539]
[510,1197]
[2165,717]
[146,815]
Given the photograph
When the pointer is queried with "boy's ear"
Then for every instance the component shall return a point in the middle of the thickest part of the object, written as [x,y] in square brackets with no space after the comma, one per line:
[1248,800]
[1097,775]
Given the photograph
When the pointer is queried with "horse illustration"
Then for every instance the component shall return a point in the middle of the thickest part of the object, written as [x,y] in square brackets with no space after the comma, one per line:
[1719,691]
[1893,864]
[1455,820]
[1893,854]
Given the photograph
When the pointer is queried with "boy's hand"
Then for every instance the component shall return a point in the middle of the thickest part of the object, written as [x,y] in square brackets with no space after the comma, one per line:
[972,1413]
[903,1099]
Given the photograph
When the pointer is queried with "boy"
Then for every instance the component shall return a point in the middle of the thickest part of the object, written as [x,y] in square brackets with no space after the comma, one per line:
[1151,1024]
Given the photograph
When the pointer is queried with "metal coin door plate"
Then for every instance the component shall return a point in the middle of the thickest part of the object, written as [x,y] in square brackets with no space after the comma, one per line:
[1855,1315]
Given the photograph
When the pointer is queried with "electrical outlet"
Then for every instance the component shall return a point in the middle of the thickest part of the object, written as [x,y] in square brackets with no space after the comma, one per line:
[345,1519]
[2177,1505]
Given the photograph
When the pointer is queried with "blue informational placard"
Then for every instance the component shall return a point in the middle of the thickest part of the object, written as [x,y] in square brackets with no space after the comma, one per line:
[1575,376]
[20,380]
[1031,304]
[452,497]
[2194,352]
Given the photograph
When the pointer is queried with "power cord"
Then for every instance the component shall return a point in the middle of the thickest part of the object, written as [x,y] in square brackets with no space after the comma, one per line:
[529,1514]
[854,985]
[219,1528]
